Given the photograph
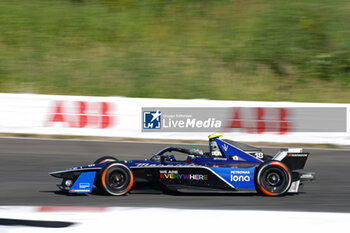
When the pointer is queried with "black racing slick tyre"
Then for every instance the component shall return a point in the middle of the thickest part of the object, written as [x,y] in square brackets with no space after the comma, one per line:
[105,159]
[116,179]
[272,178]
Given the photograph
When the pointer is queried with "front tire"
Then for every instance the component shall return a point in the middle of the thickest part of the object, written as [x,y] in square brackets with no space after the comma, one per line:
[116,179]
[272,178]
[105,159]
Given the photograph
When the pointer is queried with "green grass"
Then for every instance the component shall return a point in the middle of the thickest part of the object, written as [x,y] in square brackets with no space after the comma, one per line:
[233,50]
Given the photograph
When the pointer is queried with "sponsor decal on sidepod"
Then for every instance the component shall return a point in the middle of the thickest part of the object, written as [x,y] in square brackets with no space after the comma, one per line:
[175,175]
[240,176]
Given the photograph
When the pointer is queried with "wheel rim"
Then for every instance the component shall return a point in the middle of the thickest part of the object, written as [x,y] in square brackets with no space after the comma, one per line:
[116,180]
[273,179]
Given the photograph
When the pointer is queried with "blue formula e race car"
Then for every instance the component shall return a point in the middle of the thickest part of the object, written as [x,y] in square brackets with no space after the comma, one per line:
[229,166]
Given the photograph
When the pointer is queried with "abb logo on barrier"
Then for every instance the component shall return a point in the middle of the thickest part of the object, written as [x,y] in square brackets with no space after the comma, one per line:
[81,114]
[260,120]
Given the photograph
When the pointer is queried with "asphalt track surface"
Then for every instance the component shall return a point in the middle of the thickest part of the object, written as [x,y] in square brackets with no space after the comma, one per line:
[25,164]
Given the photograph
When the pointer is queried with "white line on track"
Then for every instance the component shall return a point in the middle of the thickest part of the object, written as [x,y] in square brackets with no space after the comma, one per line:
[159,143]
[170,220]
[97,140]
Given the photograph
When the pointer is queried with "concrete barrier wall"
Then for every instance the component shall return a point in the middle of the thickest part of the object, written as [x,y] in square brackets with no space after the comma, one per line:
[174,118]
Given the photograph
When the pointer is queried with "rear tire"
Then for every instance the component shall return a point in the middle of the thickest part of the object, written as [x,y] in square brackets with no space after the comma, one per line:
[105,159]
[116,179]
[272,178]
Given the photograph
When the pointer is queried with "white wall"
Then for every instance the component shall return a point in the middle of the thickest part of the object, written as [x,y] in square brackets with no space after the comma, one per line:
[121,117]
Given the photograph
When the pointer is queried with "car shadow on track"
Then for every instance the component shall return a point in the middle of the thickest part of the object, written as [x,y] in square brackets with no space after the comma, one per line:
[99,193]
[58,192]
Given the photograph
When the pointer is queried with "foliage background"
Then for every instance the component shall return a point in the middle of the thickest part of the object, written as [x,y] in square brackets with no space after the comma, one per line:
[224,49]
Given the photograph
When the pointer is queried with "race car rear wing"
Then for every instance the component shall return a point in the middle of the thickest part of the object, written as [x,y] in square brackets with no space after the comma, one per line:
[294,158]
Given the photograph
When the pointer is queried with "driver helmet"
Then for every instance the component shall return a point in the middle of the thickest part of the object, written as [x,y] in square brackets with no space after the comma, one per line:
[197,151]
[191,157]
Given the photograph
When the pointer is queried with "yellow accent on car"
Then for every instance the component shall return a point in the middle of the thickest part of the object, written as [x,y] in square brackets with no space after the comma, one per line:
[215,135]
